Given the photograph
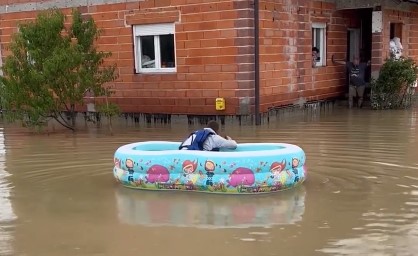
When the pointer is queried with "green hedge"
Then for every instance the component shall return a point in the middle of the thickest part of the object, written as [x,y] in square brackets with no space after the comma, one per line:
[392,89]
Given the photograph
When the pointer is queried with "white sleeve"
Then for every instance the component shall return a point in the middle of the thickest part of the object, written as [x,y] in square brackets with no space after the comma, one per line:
[221,142]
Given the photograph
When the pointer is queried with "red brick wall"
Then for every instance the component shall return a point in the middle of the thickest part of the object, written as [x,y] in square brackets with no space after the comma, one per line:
[413,34]
[395,16]
[207,54]
[287,75]
[214,42]
[409,38]
[208,43]
[329,81]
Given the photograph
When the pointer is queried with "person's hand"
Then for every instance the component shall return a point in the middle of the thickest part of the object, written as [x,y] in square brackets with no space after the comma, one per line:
[368,63]
[227,137]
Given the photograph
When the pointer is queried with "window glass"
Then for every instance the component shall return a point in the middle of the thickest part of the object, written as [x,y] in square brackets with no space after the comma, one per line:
[147,51]
[167,51]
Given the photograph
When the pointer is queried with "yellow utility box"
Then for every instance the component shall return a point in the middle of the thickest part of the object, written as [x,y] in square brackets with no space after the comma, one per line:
[220,104]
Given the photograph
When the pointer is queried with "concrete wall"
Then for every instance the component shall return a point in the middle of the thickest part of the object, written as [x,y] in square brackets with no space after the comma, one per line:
[11,6]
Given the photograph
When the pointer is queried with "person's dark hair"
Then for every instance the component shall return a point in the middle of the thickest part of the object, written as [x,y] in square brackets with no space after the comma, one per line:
[213,125]
[314,49]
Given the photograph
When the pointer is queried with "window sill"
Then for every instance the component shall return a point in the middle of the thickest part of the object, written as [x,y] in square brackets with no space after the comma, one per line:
[156,72]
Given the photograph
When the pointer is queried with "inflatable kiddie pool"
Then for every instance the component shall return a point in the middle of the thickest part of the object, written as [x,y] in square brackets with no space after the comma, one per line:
[251,168]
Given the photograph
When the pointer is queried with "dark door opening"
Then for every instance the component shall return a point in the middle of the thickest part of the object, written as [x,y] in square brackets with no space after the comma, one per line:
[359,36]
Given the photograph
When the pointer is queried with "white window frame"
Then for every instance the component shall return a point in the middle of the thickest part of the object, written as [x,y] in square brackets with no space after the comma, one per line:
[153,30]
[323,43]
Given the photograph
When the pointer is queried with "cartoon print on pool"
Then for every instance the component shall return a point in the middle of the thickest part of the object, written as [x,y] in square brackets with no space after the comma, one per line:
[295,164]
[189,169]
[157,173]
[116,162]
[241,176]
[218,186]
[276,169]
[210,171]
[130,165]
[140,182]
[119,173]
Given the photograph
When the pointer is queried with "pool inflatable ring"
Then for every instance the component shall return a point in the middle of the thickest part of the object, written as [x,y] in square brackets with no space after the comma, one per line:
[251,168]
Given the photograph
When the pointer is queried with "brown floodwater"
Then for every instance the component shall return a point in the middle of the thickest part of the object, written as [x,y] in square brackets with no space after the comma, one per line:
[58,195]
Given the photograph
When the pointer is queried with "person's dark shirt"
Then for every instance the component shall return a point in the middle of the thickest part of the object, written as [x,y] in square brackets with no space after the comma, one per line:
[356,73]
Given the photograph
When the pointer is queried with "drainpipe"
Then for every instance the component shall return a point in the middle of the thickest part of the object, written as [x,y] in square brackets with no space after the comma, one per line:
[256,63]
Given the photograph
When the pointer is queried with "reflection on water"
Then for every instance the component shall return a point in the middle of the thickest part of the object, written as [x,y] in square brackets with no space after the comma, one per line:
[360,198]
[184,209]
[383,231]
[6,211]
[385,235]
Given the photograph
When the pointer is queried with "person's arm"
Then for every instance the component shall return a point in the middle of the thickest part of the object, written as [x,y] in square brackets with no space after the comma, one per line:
[225,143]
[338,61]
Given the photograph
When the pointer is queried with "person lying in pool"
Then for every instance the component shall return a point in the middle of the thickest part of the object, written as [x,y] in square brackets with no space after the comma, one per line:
[207,139]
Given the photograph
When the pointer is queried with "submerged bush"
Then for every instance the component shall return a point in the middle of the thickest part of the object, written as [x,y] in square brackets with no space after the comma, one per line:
[393,88]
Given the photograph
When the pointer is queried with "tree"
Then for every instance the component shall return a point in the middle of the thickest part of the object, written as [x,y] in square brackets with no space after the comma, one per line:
[109,109]
[51,67]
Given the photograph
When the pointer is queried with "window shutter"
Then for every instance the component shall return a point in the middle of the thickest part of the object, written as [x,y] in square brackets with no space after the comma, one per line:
[319,25]
[154,29]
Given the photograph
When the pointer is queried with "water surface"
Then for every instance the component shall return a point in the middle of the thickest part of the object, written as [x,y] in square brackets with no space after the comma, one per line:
[58,195]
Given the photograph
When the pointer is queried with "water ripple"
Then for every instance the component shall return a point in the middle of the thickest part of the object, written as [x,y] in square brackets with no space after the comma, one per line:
[6,211]
[360,197]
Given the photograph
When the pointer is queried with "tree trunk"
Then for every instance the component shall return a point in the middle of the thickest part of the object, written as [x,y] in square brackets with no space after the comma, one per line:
[63,123]
[109,116]
[72,115]
[110,126]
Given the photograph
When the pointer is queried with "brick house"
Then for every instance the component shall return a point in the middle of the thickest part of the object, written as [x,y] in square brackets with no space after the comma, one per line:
[178,56]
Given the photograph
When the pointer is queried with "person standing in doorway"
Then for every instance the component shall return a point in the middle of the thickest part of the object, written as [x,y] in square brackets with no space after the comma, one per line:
[357,81]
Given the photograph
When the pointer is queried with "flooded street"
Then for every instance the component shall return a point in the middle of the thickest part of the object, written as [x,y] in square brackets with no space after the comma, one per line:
[58,195]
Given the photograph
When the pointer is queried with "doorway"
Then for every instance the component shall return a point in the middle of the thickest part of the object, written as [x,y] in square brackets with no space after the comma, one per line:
[359,36]
[353,43]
